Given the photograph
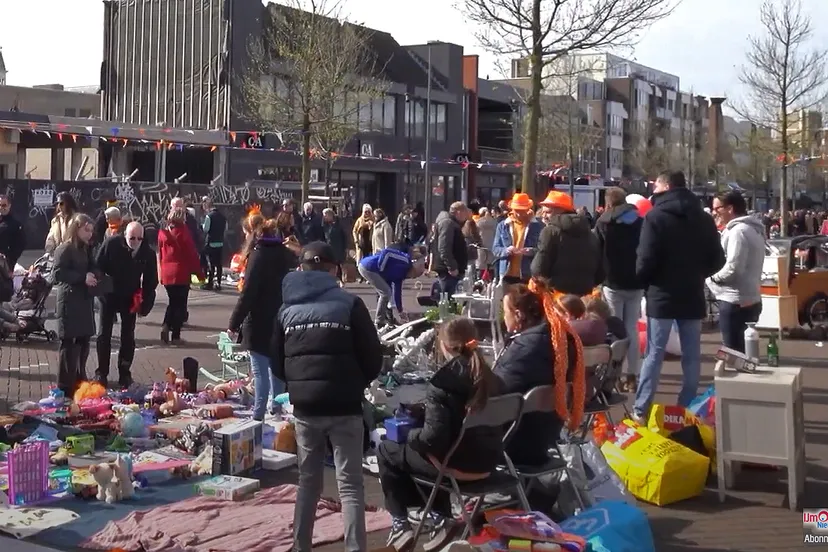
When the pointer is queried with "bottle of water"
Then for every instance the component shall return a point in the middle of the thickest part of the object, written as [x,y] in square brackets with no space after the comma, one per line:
[443,307]
[752,341]
[468,280]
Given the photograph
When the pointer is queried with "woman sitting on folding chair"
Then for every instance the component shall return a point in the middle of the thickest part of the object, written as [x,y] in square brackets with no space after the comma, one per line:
[463,384]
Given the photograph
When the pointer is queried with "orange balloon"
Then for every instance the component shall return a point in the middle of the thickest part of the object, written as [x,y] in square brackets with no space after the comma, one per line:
[644,206]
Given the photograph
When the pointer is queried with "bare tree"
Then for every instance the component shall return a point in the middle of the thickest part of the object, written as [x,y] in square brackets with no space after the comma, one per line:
[647,152]
[545,31]
[308,76]
[783,76]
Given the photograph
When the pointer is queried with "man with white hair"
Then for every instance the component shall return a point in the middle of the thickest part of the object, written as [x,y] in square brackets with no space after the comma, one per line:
[131,265]
[310,225]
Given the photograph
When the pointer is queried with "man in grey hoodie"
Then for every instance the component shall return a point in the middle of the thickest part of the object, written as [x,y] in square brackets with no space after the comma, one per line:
[737,285]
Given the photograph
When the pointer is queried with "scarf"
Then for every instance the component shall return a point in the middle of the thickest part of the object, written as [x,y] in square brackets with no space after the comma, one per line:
[559,329]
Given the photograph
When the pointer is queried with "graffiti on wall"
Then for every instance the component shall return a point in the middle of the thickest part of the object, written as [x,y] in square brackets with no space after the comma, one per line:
[33,201]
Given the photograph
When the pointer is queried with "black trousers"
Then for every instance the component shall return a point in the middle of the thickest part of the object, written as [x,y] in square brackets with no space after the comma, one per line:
[176,312]
[103,344]
[733,319]
[214,260]
[72,356]
[397,463]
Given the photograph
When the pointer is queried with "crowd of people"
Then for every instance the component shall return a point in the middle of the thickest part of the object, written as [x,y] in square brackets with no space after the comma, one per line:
[571,280]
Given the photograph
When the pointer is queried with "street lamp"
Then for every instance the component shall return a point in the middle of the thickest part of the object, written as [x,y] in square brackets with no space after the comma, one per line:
[428,138]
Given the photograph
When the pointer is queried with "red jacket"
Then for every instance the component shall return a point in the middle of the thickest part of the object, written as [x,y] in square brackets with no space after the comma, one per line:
[178,258]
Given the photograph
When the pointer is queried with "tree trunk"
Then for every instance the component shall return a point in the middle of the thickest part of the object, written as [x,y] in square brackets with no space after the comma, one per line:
[530,141]
[783,185]
[306,160]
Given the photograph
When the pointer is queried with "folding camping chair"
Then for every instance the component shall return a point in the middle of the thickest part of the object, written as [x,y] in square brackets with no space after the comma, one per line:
[498,412]
[596,364]
[540,400]
[612,396]
[235,362]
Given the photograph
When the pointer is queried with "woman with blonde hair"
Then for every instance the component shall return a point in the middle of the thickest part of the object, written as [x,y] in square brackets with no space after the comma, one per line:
[75,280]
[177,262]
[363,232]
[266,262]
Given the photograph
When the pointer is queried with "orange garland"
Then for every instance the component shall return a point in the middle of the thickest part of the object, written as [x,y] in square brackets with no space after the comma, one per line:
[559,328]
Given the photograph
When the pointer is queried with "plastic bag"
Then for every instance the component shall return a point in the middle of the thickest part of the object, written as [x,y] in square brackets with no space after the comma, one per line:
[593,477]
[654,468]
[612,527]
[666,420]
[704,406]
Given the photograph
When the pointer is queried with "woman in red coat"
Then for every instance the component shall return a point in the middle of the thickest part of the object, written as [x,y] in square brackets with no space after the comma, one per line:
[177,262]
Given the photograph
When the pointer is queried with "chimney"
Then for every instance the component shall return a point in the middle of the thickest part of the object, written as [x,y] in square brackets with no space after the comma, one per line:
[716,137]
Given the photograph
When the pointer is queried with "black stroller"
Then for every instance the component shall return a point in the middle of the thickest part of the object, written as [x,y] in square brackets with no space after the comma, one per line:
[29,303]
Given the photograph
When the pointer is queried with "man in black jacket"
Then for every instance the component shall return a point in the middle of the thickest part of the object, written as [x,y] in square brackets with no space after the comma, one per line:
[12,237]
[131,265]
[618,230]
[678,249]
[450,252]
[310,225]
[214,226]
[326,350]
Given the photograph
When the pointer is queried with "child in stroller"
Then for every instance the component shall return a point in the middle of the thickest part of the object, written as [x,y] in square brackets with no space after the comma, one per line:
[24,314]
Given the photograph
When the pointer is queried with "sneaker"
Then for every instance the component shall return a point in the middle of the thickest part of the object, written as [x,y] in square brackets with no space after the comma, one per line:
[401,535]
[638,418]
[207,287]
[442,533]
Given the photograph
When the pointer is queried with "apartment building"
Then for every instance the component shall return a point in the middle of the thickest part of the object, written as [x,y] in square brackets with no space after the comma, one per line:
[2,69]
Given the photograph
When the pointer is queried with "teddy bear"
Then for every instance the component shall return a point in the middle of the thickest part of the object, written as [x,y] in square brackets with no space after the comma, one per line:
[113,480]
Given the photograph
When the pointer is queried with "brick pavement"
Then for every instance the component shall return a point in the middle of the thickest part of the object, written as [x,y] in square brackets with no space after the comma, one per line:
[754,518]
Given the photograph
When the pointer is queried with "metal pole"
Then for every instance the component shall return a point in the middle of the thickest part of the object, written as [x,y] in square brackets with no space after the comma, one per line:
[428,189]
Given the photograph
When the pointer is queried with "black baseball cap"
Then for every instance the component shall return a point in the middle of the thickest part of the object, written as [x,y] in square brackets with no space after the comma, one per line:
[317,253]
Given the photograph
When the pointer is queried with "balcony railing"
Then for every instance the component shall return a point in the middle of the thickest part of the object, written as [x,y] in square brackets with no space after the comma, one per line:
[496,155]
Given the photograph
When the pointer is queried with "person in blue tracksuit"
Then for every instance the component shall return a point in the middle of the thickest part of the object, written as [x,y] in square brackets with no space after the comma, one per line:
[386,271]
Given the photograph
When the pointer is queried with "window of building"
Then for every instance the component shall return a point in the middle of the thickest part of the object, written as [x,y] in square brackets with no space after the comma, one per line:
[419,119]
[671,105]
[365,116]
[86,113]
[389,119]
[437,122]
[69,112]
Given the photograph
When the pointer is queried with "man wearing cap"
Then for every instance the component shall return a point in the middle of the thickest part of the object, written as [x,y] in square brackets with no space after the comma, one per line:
[679,247]
[569,255]
[326,349]
[450,254]
[516,241]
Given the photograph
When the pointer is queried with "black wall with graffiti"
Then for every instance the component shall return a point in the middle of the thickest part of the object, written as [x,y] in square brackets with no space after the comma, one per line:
[147,202]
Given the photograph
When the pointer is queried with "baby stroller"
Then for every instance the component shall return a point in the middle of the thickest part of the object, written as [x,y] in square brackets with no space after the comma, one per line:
[29,303]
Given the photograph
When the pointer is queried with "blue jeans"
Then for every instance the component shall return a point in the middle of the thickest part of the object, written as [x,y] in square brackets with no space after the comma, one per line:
[626,305]
[264,383]
[658,332]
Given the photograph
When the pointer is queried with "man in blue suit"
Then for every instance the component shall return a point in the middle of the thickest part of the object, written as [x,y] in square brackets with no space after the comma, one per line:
[516,241]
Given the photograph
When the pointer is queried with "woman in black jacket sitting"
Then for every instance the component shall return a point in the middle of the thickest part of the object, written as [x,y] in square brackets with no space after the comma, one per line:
[463,384]
[266,261]
[527,363]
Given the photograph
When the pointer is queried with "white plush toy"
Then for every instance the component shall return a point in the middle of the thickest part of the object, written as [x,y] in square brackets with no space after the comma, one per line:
[113,481]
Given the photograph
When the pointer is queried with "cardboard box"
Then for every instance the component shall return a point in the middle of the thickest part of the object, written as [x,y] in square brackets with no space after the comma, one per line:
[228,487]
[237,448]
[273,460]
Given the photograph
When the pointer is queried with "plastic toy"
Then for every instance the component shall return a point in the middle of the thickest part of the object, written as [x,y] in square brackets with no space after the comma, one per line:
[28,473]
[181,385]
[60,481]
[89,390]
[154,397]
[80,444]
[173,404]
[55,399]
[113,480]
[132,425]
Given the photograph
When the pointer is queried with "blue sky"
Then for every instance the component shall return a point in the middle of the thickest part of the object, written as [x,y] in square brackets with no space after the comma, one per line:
[703,42]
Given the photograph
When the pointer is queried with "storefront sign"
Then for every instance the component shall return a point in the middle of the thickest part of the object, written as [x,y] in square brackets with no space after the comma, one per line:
[460,158]
[254,141]
[366,149]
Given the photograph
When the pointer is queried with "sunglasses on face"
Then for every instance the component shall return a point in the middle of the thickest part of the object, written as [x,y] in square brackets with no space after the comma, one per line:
[136,238]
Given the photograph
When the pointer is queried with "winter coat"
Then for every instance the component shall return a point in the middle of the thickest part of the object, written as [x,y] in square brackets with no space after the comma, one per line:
[449,392]
[362,234]
[403,229]
[336,238]
[310,228]
[739,281]
[325,346]
[12,239]
[618,230]
[57,232]
[449,247]
[177,255]
[129,273]
[524,364]
[569,255]
[383,235]
[261,294]
[393,266]
[503,240]
[487,226]
[74,310]
[679,247]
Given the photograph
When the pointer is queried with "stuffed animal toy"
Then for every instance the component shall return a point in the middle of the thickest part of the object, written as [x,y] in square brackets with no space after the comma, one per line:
[113,481]
[174,403]
[181,385]
[89,390]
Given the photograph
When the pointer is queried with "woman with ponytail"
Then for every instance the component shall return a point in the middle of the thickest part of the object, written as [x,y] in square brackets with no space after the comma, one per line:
[462,385]
[266,261]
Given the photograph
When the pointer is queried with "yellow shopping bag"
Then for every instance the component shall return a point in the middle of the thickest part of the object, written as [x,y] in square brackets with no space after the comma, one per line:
[665,420]
[654,468]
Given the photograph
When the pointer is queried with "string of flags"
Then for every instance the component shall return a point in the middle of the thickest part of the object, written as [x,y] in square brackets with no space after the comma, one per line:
[247,141]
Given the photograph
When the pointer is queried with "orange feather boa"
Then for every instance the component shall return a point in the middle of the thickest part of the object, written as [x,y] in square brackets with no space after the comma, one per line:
[559,328]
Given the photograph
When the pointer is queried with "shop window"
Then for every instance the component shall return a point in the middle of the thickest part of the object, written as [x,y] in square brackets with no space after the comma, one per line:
[365,116]
[389,119]
[419,119]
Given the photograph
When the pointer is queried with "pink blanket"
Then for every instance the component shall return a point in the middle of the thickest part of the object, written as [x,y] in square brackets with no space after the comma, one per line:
[263,523]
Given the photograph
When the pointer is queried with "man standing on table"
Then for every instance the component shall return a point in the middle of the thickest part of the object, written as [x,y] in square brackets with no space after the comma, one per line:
[131,264]
[326,350]
[678,248]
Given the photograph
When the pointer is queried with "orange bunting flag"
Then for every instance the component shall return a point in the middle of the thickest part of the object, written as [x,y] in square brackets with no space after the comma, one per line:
[233,136]
[75,138]
[159,144]
[213,148]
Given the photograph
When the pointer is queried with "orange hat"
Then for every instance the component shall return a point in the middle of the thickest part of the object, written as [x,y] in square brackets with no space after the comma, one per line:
[520,202]
[559,200]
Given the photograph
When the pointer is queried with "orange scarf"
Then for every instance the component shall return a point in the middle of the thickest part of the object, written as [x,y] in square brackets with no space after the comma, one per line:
[559,328]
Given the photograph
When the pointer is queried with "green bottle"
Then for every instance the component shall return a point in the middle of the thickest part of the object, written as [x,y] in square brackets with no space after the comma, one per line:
[773,351]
